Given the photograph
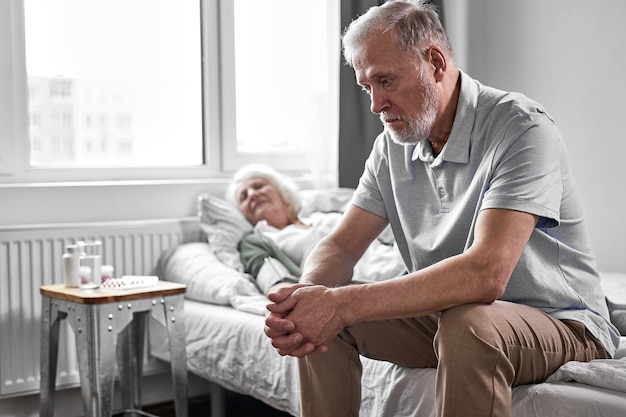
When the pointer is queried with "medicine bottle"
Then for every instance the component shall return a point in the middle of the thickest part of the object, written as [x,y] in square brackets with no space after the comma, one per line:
[71,276]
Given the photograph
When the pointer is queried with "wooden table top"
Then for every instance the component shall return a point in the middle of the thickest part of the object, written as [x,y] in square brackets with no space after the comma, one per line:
[106,295]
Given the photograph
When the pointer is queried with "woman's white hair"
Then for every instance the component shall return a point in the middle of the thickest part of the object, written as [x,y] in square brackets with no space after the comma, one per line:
[287,189]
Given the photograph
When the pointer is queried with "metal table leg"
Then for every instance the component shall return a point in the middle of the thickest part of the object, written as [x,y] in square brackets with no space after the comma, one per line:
[171,317]
[130,347]
[50,324]
[96,328]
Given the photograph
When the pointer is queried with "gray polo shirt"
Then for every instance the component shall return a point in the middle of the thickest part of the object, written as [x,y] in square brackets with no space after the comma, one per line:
[504,151]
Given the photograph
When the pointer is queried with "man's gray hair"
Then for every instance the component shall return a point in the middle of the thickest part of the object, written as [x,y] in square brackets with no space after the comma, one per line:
[414,24]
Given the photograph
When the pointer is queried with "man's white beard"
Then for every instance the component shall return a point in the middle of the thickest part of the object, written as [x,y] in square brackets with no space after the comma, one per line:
[419,127]
[416,131]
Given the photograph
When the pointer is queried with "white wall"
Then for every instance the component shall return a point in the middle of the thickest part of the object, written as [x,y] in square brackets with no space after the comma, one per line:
[102,201]
[570,55]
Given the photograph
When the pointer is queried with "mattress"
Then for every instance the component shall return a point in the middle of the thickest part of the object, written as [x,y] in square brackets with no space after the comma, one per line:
[227,346]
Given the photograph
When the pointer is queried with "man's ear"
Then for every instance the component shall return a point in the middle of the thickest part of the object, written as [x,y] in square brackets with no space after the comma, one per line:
[437,59]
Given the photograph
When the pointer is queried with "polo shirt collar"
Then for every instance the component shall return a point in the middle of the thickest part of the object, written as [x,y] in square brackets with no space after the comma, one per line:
[457,148]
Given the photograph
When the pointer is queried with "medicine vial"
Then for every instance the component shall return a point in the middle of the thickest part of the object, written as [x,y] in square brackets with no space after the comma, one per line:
[106,272]
[71,276]
[90,255]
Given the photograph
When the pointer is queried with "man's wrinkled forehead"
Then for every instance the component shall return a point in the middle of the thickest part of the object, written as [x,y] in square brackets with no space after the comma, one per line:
[371,46]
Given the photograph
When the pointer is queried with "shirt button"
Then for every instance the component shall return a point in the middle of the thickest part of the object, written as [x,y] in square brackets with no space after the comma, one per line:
[442,192]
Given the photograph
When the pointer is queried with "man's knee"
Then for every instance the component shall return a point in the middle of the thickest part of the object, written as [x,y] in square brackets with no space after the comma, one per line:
[468,327]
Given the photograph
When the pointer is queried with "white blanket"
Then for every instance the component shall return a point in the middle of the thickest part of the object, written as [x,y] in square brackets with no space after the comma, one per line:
[603,373]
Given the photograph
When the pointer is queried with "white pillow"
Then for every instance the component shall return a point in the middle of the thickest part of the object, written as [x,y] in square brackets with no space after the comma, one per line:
[224,226]
[206,277]
[324,200]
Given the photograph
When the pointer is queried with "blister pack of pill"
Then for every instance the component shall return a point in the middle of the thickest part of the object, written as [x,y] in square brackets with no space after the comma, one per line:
[130,281]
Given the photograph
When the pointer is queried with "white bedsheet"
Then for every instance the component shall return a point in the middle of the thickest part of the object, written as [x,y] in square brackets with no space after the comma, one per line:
[228,346]
[603,373]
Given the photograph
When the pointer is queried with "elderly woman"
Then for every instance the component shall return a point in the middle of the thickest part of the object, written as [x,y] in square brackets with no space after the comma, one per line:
[262,193]
[282,240]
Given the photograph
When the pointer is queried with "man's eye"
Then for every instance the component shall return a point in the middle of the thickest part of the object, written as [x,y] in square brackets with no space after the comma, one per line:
[385,82]
[366,89]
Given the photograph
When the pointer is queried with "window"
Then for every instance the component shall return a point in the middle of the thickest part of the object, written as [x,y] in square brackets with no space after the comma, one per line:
[286,61]
[166,89]
[133,58]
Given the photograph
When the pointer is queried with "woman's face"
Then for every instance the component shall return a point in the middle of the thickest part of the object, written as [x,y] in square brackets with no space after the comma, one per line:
[259,200]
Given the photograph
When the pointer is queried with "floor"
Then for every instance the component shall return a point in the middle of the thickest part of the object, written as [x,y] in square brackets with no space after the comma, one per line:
[236,406]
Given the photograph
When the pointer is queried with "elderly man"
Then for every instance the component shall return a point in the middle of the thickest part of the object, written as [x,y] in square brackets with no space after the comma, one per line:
[502,286]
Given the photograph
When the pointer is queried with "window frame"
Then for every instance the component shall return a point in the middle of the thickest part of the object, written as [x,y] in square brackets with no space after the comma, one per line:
[291,162]
[219,143]
[14,99]
[14,138]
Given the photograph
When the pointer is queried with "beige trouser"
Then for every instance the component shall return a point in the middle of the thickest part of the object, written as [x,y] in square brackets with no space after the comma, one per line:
[480,352]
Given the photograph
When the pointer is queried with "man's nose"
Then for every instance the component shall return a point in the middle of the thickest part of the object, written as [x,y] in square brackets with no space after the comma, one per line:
[379,101]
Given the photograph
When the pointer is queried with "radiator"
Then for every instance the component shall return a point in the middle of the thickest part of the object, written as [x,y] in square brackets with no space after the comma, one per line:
[31,256]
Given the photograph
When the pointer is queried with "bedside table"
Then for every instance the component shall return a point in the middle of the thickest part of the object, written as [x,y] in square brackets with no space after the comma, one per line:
[109,323]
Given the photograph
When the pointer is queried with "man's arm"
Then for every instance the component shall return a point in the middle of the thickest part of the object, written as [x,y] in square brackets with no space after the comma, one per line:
[332,261]
[330,264]
[480,274]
